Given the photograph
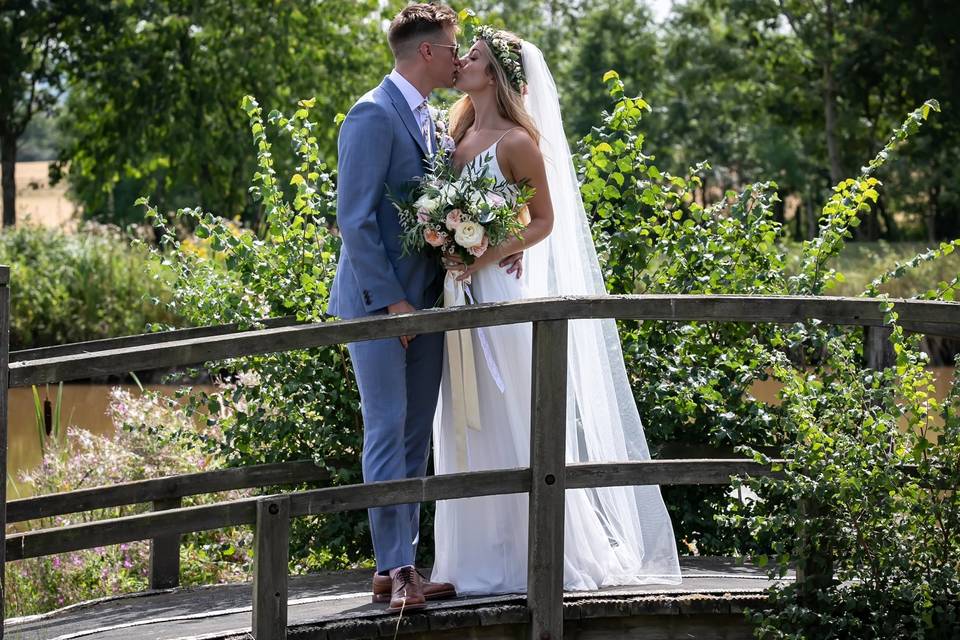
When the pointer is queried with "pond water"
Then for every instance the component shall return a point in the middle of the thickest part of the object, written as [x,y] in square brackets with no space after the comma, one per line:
[83,405]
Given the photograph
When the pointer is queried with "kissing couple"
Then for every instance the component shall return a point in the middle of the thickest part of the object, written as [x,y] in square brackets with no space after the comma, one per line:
[508,126]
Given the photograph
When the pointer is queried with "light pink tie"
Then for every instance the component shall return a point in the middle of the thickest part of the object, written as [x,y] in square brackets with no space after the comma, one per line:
[423,115]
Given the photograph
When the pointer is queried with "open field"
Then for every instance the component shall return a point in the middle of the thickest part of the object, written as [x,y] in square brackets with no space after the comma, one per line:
[40,203]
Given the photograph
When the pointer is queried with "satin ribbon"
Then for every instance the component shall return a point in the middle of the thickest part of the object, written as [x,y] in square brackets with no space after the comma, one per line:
[463,369]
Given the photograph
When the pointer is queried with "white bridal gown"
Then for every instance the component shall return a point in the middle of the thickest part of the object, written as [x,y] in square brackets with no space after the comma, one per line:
[613,536]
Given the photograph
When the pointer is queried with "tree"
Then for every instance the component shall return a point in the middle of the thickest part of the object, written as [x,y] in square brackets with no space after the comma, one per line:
[33,55]
[154,104]
[610,34]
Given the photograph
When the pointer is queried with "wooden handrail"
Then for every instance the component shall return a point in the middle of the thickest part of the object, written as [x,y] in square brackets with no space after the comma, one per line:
[136,340]
[545,480]
[252,477]
[362,496]
[169,487]
[942,318]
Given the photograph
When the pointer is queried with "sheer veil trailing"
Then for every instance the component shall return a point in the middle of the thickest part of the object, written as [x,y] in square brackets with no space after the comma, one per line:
[603,424]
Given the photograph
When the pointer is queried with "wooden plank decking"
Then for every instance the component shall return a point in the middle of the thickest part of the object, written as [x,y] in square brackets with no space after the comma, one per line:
[708,604]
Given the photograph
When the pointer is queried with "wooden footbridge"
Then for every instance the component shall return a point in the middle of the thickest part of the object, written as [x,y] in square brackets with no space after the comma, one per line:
[708,604]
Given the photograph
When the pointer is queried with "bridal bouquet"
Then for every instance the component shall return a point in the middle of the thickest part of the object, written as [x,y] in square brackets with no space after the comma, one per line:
[460,215]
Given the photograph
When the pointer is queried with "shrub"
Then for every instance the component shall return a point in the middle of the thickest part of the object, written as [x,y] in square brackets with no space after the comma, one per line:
[873,456]
[84,286]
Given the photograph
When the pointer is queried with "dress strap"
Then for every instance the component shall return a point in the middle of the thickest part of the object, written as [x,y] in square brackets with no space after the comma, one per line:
[505,134]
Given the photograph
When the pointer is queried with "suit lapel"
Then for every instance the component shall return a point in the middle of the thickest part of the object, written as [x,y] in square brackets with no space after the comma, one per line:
[406,115]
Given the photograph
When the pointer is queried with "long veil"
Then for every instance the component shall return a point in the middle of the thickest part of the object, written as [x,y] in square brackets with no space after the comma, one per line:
[603,424]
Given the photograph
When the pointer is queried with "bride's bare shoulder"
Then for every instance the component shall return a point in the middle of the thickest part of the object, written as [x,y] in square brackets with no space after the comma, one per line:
[518,141]
[522,154]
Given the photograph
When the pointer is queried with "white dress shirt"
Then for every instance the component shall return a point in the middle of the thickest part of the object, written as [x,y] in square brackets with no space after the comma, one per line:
[414,101]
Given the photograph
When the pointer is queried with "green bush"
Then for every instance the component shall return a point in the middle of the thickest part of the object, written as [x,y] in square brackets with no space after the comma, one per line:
[284,406]
[874,455]
[86,285]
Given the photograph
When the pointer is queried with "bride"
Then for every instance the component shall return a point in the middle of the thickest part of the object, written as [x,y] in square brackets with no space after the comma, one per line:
[508,125]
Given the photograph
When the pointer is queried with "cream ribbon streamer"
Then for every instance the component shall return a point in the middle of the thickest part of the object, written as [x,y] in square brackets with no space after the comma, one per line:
[463,369]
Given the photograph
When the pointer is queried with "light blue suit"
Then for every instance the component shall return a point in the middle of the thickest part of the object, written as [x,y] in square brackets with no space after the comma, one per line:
[380,147]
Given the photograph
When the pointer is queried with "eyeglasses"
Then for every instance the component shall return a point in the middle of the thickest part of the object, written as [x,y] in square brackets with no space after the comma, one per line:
[454,48]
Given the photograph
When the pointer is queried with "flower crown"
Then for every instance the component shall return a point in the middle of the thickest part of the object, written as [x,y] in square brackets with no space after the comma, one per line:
[505,55]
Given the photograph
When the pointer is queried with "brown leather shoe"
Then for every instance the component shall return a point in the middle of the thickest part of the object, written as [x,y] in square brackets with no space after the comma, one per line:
[406,589]
[383,586]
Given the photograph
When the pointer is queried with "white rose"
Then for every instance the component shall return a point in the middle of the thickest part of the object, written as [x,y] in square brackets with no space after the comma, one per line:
[425,204]
[469,234]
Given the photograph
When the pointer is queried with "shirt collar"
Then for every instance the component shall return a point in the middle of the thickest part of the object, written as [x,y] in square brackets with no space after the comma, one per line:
[410,92]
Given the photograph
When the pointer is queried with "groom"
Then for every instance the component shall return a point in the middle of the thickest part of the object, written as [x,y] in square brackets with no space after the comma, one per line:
[383,143]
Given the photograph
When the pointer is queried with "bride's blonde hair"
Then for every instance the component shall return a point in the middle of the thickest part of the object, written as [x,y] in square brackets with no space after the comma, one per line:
[509,99]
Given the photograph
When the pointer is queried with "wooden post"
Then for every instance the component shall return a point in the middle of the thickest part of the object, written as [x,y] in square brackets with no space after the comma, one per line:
[272,554]
[165,552]
[877,349]
[548,480]
[815,569]
[4,400]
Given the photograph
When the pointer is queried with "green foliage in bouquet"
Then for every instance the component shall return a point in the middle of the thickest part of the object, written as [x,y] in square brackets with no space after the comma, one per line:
[460,214]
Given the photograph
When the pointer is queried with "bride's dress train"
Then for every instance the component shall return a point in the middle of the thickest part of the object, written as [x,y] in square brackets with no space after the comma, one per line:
[613,536]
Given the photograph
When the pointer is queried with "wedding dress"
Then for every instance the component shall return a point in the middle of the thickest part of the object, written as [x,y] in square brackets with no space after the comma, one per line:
[612,536]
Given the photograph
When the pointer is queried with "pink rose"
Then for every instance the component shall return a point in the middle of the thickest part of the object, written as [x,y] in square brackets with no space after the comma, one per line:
[454,219]
[481,248]
[423,218]
[434,238]
[495,200]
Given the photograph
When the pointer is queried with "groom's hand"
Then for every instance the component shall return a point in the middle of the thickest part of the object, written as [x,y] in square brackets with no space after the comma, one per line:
[402,307]
[515,263]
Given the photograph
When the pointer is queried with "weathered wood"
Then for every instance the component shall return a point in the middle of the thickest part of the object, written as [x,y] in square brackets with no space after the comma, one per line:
[682,308]
[4,402]
[271,557]
[362,496]
[165,552]
[662,472]
[264,475]
[548,423]
[243,511]
[690,451]
[877,348]
[130,528]
[156,337]
[429,489]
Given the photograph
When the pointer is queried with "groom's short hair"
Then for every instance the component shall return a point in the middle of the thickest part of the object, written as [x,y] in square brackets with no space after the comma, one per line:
[417,22]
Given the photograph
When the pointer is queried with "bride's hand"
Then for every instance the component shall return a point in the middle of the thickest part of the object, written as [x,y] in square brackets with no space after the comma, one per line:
[453,262]
[467,270]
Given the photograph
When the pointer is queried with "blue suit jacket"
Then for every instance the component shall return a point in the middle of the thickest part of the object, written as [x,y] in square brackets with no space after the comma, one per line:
[380,146]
